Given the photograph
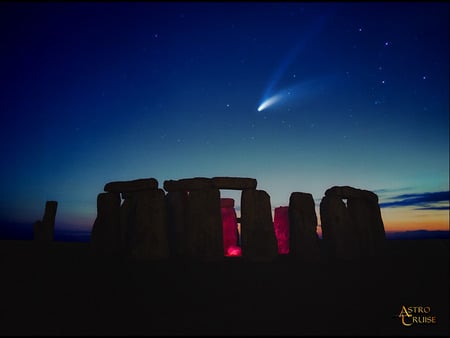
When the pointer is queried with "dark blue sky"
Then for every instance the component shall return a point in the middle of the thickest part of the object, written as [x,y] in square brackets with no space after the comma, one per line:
[98,92]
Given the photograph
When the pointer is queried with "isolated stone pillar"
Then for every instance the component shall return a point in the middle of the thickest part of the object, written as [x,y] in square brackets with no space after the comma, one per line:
[44,230]
[304,241]
[258,238]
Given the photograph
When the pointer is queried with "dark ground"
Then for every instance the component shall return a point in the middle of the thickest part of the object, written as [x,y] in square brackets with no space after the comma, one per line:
[63,290]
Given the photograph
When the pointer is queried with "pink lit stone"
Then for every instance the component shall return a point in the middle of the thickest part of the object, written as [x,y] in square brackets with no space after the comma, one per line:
[229,226]
[281,224]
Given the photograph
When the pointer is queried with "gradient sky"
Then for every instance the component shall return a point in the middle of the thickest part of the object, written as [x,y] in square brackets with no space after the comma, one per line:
[100,92]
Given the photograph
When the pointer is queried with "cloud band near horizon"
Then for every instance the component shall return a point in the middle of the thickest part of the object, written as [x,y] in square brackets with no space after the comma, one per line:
[422,201]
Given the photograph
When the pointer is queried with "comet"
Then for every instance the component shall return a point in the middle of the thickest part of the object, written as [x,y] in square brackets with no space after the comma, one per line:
[269,98]
[270,101]
[285,95]
[301,92]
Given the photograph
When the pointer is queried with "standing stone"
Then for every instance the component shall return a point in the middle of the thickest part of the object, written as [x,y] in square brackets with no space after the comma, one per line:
[377,232]
[49,215]
[281,224]
[258,238]
[204,238]
[44,231]
[105,235]
[227,203]
[230,228]
[339,234]
[355,229]
[176,206]
[304,241]
[127,222]
[365,213]
[148,235]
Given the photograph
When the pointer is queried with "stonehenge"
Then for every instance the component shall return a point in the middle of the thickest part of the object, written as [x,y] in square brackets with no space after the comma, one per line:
[188,219]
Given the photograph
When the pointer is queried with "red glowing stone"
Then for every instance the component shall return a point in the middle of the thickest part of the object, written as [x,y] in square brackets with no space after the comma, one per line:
[230,228]
[234,251]
[281,224]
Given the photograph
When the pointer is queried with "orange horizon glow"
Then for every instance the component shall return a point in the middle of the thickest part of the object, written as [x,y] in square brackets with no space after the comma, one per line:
[409,219]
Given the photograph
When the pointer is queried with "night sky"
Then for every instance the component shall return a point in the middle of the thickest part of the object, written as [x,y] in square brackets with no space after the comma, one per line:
[300,96]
